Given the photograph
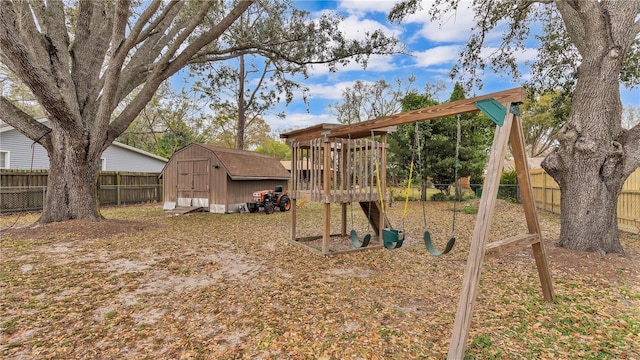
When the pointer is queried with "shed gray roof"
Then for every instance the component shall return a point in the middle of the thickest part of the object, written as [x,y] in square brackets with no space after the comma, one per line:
[248,165]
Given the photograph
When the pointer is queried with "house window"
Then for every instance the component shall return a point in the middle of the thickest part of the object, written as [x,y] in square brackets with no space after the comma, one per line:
[103,164]
[4,160]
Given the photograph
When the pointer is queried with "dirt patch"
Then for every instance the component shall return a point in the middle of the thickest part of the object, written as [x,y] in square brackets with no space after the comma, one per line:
[231,287]
[75,230]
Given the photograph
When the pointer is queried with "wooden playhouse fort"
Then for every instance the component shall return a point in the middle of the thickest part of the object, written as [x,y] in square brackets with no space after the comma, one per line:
[343,164]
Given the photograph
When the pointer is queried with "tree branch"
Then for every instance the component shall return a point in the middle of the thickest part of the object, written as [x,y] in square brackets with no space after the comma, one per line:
[636,29]
[54,29]
[161,73]
[630,140]
[119,48]
[93,31]
[139,32]
[259,84]
[141,62]
[27,125]
[24,48]
[569,10]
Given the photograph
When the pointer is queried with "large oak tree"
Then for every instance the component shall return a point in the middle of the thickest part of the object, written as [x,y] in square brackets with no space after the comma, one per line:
[589,47]
[81,63]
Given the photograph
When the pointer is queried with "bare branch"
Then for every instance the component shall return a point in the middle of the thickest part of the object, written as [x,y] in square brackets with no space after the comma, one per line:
[636,29]
[259,84]
[93,32]
[140,64]
[182,36]
[138,29]
[24,48]
[24,123]
[571,12]
[111,76]
[630,140]
[161,73]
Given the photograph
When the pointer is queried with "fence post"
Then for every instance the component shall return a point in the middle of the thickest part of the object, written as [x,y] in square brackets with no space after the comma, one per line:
[552,194]
[118,188]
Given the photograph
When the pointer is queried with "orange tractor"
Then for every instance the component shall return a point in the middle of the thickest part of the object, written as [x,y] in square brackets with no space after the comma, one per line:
[269,200]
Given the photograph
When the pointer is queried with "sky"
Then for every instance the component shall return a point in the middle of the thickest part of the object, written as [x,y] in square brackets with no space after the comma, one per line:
[431,51]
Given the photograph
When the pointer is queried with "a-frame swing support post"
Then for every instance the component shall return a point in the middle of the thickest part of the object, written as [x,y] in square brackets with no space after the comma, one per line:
[511,130]
[517,141]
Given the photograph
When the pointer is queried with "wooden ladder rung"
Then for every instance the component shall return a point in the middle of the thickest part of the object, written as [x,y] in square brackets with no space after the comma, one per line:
[510,244]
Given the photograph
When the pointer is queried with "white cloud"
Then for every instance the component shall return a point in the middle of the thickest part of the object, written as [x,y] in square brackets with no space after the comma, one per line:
[528,54]
[366,6]
[356,28]
[438,55]
[329,91]
[455,26]
[380,63]
[297,121]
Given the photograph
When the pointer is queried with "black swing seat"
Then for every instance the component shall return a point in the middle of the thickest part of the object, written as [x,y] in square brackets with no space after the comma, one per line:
[392,238]
[356,241]
[432,250]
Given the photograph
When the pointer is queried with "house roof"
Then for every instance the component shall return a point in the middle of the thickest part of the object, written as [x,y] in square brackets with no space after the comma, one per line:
[131,148]
[6,127]
[248,165]
[533,162]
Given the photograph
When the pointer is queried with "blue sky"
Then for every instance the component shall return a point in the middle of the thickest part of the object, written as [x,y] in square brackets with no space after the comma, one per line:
[432,50]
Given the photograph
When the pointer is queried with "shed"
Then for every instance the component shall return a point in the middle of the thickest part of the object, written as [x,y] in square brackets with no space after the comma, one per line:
[219,179]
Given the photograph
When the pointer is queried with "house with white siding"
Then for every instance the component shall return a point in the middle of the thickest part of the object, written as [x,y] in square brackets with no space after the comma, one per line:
[19,152]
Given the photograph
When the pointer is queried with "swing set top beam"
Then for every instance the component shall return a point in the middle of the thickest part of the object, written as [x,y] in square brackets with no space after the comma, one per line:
[363,129]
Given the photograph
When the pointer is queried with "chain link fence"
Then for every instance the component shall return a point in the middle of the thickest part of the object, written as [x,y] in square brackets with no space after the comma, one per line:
[509,192]
[22,198]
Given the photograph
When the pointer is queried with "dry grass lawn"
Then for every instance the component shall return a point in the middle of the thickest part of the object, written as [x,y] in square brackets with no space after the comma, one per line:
[147,285]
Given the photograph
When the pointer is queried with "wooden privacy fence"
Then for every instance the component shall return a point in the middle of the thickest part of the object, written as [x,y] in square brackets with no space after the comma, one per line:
[547,196]
[25,190]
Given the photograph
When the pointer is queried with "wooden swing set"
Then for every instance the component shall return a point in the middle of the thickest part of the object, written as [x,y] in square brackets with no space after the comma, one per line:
[343,163]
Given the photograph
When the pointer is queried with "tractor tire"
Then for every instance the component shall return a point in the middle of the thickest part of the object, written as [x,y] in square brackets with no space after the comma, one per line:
[285,203]
[268,209]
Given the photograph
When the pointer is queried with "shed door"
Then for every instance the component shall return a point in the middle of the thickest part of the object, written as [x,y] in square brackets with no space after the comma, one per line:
[193,182]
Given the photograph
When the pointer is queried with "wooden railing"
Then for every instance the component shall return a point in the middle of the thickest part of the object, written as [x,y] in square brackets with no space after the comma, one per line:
[335,170]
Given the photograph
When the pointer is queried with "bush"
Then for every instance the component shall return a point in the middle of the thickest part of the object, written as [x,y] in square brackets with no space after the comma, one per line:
[470,209]
[467,195]
[440,197]
[401,195]
[508,189]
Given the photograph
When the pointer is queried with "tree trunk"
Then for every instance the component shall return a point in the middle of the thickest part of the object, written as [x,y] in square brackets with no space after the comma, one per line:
[242,116]
[589,219]
[72,182]
[588,164]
